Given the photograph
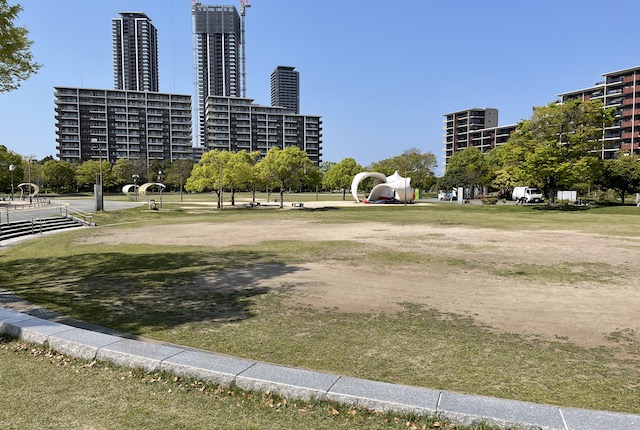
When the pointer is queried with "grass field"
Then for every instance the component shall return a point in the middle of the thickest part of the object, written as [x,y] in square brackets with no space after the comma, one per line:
[149,290]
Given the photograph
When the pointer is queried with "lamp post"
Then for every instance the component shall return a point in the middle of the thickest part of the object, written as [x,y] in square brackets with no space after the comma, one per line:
[180,185]
[12,167]
[160,181]
[135,184]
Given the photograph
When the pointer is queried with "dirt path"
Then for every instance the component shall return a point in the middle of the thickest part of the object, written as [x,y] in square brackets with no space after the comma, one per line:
[601,295]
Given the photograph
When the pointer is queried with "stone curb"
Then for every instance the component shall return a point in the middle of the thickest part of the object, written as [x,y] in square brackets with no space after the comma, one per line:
[306,384]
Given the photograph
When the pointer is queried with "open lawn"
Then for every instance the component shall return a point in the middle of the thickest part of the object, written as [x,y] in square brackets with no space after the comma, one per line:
[506,301]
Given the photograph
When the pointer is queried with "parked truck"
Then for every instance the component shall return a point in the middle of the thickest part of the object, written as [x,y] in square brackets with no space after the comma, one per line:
[527,195]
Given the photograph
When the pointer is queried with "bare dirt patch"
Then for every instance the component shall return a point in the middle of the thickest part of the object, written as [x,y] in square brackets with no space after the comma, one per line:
[600,297]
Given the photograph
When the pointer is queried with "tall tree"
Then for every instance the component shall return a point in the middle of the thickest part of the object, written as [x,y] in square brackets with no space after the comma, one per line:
[58,175]
[16,60]
[341,175]
[622,174]
[413,163]
[88,173]
[284,168]
[178,173]
[238,172]
[555,141]
[468,168]
[8,158]
[207,175]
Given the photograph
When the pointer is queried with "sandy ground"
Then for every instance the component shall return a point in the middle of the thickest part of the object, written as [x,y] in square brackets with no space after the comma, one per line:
[603,295]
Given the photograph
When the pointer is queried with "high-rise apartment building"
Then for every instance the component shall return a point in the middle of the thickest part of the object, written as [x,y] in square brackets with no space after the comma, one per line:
[285,88]
[216,50]
[135,52]
[113,124]
[619,90]
[235,123]
[476,127]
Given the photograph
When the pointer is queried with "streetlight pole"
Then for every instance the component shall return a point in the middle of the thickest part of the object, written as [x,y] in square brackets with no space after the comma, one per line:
[12,167]
[159,187]
[135,184]
[180,185]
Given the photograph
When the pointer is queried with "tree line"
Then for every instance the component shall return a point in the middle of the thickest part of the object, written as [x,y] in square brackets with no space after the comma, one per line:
[558,148]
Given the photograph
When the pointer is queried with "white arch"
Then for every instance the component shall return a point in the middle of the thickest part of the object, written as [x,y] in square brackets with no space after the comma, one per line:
[127,190]
[392,187]
[361,177]
[143,188]
[36,189]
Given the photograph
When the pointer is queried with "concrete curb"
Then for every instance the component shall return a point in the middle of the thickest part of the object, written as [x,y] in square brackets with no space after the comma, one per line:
[305,384]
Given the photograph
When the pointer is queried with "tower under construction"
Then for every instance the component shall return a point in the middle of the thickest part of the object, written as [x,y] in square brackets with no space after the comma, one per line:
[216,50]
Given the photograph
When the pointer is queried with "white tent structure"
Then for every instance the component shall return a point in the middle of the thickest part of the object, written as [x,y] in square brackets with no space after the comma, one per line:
[386,188]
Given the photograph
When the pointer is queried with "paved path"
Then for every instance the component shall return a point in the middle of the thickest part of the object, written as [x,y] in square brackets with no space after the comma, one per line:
[84,341]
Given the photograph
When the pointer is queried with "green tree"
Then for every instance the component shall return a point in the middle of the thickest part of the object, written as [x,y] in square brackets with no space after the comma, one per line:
[238,172]
[207,175]
[555,141]
[178,173]
[622,174]
[16,60]
[8,158]
[284,168]
[88,174]
[413,163]
[122,172]
[59,175]
[468,168]
[341,175]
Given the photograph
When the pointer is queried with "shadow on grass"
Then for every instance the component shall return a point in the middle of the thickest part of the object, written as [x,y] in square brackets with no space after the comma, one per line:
[145,292]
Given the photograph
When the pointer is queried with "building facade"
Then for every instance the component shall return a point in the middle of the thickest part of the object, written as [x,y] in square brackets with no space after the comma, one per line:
[216,50]
[285,88]
[135,52]
[476,128]
[234,124]
[619,90]
[113,124]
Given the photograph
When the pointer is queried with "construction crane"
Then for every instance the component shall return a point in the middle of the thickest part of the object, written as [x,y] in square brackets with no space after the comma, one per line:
[244,4]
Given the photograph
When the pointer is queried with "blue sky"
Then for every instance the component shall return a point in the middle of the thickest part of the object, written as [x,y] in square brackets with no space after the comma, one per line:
[380,73]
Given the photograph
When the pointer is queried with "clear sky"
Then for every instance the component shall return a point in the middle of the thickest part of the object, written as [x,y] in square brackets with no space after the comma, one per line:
[380,73]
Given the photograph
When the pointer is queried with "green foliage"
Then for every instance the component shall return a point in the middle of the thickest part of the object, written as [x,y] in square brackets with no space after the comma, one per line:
[412,163]
[88,173]
[207,175]
[622,174]
[284,168]
[341,175]
[468,168]
[16,60]
[177,173]
[551,149]
[58,175]
[8,158]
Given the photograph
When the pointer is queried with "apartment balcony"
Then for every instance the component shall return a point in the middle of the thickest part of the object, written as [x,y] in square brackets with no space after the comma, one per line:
[629,124]
[628,90]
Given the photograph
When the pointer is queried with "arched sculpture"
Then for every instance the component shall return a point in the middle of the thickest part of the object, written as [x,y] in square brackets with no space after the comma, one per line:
[143,188]
[32,186]
[386,189]
[131,191]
